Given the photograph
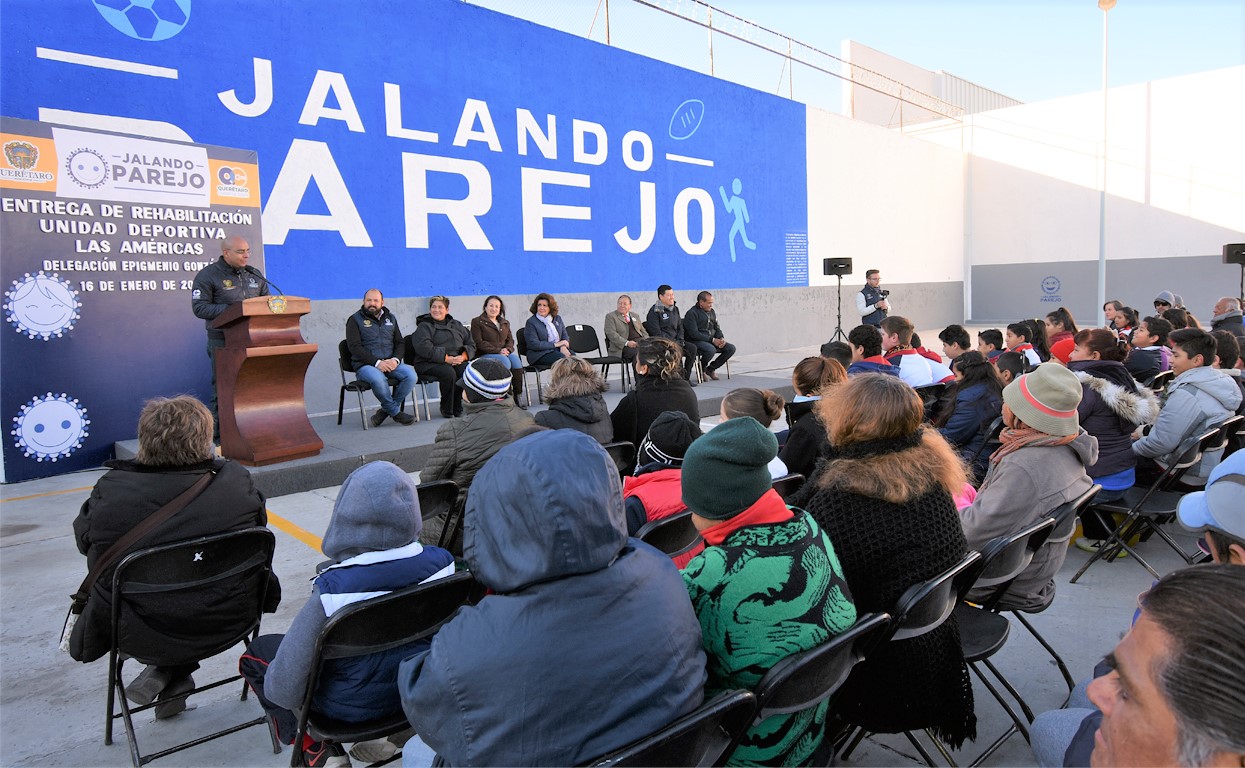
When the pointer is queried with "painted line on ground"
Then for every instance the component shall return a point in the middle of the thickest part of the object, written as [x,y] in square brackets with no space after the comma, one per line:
[49,493]
[285,526]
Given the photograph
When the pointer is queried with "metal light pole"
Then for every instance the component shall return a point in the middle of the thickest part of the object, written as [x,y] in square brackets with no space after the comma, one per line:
[1105,5]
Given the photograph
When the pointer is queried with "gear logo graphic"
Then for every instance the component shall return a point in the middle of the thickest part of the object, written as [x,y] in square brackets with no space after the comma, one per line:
[50,427]
[87,167]
[42,306]
[150,20]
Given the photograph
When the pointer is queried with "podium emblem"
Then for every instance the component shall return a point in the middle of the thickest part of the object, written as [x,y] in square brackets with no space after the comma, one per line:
[276,304]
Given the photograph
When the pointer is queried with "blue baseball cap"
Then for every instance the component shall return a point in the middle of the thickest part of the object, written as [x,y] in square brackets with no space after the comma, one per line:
[1221,506]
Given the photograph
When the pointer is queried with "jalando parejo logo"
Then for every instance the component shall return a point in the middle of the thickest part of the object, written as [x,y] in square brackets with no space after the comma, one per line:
[231,181]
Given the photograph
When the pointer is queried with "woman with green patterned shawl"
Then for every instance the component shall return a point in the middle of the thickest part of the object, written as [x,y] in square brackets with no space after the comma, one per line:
[767,586]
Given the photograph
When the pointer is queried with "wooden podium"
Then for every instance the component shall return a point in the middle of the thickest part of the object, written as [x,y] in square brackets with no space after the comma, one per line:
[259,381]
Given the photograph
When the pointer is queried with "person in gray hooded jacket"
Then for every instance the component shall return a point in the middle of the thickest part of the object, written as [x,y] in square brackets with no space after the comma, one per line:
[373,540]
[1199,398]
[1041,464]
[587,640]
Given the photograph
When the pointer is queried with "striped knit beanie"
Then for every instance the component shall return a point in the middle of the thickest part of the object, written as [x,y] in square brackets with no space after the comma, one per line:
[1046,399]
[486,377]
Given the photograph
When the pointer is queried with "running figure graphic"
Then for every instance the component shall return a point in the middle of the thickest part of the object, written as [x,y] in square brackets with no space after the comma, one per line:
[736,205]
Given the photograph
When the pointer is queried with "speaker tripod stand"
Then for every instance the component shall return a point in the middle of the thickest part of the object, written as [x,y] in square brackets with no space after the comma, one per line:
[839,335]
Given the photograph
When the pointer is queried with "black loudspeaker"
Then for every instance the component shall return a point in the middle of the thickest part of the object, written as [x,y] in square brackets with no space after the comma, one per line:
[842,267]
[1233,253]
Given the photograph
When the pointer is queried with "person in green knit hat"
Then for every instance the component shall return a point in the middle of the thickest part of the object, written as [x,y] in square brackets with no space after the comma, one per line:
[767,586]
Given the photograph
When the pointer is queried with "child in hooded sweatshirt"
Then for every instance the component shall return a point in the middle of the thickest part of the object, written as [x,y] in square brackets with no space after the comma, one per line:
[373,540]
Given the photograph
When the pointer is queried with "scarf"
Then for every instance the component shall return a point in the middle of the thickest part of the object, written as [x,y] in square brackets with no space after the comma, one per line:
[1015,439]
[550,328]
[768,509]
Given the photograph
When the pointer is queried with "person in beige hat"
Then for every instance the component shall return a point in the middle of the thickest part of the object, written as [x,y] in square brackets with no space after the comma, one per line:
[1040,465]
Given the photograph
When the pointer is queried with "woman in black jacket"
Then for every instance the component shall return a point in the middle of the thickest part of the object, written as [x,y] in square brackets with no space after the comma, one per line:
[442,346]
[812,379]
[175,450]
[659,387]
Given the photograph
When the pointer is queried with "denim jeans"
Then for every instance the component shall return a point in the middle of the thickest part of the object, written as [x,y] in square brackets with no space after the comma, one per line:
[371,375]
[511,361]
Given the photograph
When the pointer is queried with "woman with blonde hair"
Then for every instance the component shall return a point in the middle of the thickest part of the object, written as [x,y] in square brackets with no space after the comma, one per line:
[575,402]
[659,387]
[812,379]
[884,497]
[764,405]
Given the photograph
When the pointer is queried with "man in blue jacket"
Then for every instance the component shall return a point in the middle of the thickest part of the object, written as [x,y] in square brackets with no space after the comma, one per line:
[376,348]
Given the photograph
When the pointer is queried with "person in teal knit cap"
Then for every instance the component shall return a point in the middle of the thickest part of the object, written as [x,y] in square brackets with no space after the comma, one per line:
[768,584]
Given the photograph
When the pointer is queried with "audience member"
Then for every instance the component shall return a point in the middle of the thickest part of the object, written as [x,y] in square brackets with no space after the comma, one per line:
[975,400]
[812,379]
[442,346]
[1061,351]
[872,303]
[928,354]
[658,388]
[1150,354]
[1108,313]
[464,445]
[1198,398]
[545,333]
[373,542]
[866,341]
[1010,365]
[1113,405]
[767,572]
[1227,360]
[623,330]
[376,347]
[884,497]
[1125,322]
[990,343]
[701,328]
[1179,318]
[493,339]
[838,350]
[665,321]
[1031,475]
[575,402]
[955,341]
[1227,317]
[914,368]
[1164,301]
[655,491]
[175,451]
[763,405]
[586,640]
[1218,512]
[1038,338]
[1059,326]
[1019,338]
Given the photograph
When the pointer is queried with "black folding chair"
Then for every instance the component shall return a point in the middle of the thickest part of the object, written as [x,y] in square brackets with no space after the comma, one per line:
[806,679]
[700,370]
[157,586]
[675,535]
[345,366]
[623,454]
[983,632]
[587,345]
[788,484]
[1065,517]
[705,737]
[993,430]
[520,342]
[408,357]
[439,498]
[930,393]
[922,608]
[373,626]
[1227,430]
[1147,508]
[1159,381]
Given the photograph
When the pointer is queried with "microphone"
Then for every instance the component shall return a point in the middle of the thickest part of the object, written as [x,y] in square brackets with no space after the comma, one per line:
[257,273]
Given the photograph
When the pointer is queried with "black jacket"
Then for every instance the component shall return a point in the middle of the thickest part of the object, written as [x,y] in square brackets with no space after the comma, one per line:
[583,413]
[371,339]
[131,492]
[806,441]
[650,398]
[219,285]
[701,325]
[433,340]
[664,321]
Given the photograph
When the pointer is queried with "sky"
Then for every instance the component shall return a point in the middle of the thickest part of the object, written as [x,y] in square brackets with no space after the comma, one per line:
[1030,50]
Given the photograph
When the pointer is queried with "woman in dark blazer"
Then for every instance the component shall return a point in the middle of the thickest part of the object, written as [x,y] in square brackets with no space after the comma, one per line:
[491,333]
[545,333]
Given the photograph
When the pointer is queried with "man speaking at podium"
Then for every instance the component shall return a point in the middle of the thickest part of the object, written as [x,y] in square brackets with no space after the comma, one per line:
[226,281]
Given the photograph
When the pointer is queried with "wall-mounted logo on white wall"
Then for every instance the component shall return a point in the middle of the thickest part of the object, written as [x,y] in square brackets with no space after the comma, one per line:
[150,20]
[1050,290]
[50,427]
[42,306]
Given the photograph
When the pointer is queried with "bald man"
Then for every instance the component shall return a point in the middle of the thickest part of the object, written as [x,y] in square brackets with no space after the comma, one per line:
[225,281]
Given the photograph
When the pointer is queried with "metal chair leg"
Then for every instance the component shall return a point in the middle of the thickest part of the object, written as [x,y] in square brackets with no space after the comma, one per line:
[1063,668]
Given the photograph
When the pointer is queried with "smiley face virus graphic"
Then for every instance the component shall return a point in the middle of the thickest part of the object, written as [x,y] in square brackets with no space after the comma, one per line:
[50,427]
[42,306]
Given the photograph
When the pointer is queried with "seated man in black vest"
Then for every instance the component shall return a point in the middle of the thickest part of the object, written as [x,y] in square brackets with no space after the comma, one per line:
[376,347]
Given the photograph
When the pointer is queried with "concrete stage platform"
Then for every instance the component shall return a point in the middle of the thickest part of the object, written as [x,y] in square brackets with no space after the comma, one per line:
[349,446]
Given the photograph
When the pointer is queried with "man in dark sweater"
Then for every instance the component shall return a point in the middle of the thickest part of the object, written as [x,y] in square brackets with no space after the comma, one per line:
[700,326]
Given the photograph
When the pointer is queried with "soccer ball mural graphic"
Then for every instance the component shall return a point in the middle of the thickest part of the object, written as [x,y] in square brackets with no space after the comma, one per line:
[146,19]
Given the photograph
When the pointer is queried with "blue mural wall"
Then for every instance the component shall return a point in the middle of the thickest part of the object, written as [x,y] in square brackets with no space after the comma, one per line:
[433,146]
[425,147]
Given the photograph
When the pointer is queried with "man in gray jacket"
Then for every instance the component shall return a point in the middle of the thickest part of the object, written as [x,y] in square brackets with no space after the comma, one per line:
[1198,399]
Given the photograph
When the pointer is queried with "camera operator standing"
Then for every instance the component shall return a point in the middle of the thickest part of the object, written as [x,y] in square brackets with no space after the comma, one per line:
[872,302]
